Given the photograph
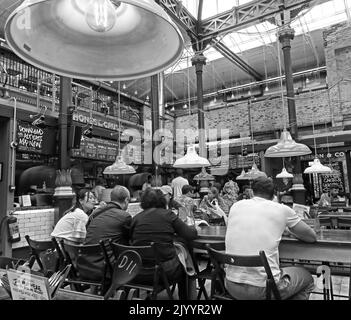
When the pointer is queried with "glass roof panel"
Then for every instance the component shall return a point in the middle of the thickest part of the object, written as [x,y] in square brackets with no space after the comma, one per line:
[315,18]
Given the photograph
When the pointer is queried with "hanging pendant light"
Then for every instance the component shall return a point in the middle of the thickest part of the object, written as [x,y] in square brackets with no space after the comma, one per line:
[254,173]
[95,39]
[284,174]
[191,160]
[204,176]
[287,147]
[317,167]
[242,175]
[119,167]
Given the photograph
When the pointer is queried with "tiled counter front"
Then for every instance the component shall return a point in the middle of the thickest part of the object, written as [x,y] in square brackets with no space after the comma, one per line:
[38,224]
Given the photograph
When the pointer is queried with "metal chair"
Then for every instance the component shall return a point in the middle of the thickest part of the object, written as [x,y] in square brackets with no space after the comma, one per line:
[160,281]
[77,255]
[344,222]
[197,248]
[10,263]
[219,259]
[126,267]
[38,248]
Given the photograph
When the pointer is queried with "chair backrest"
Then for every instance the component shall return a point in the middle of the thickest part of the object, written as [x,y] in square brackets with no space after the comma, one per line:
[74,253]
[126,268]
[344,222]
[37,247]
[325,221]
[148,251]
[10,263]
[220,258]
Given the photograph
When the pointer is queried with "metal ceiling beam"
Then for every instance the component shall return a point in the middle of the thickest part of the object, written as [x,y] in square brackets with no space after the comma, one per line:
[231,56]
[248,14]
[180,15]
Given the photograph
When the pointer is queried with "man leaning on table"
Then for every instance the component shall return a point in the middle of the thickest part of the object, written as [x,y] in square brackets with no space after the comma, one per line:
[258,224]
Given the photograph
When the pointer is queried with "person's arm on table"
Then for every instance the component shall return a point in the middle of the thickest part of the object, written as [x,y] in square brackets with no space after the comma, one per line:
[303,232]
[297,227]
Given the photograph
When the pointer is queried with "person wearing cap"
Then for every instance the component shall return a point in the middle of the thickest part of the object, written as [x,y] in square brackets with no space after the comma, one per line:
[331,196]
[168,195]
[258,224]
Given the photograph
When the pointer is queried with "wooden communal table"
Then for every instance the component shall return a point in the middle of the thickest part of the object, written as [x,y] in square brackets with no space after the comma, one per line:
[332,246]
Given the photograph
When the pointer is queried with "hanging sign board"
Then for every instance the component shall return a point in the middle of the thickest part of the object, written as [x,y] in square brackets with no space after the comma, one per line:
[33,139]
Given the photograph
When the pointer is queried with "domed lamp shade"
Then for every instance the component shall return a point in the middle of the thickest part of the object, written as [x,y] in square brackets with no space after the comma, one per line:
[204,176]
[242,175]
[284,174]
[119,167]
[317,167]
[254,173]
[191,160]
[95,39]
[287,147]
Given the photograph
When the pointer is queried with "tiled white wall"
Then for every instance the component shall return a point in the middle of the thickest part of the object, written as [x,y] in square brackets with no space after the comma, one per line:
[38,224]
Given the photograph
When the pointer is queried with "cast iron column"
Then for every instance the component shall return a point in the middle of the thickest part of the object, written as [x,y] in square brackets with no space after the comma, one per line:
[65,102]
[155,117]
[199,61]
[286,34]
[63,200]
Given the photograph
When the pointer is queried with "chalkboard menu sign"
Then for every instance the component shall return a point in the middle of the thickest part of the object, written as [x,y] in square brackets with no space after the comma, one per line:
[240,161]
[33,139]
[333,178]
[98,149]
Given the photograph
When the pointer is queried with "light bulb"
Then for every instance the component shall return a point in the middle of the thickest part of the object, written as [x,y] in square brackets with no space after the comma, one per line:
[266,89]
[124,86]
[232,97]
[185,106]
[100,15]
[307,80]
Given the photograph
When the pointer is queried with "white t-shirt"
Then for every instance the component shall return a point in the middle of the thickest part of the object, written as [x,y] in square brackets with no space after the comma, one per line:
[177,185]
[253,225]
[72,226]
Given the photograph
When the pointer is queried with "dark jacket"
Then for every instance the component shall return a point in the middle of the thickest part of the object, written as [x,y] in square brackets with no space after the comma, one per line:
[160,226]
[109,222]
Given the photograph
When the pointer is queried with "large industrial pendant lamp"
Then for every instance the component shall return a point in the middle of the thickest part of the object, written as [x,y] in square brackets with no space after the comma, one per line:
[242,175]
[95,39]
[191,160]
[119,166]
[254,172]
[316,166]
[286,146]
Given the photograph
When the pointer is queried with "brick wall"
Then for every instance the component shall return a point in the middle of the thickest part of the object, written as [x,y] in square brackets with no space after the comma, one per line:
[266,115]
[38,224]
[337,43]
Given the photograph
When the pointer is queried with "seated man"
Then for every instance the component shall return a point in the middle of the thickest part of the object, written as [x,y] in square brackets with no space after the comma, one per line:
[258,224]
[327,199]
[108,222]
